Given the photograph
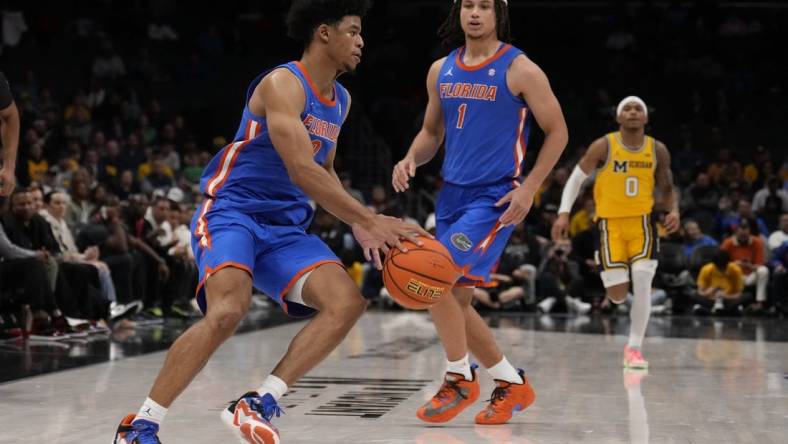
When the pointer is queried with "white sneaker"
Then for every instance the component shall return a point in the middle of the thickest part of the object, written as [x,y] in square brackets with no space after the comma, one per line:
[577,306]
[718,307]
[658,309]
[546,306]
[117,311]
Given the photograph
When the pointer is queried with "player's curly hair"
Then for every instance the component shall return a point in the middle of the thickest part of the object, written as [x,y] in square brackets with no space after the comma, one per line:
[451,30]
[305,16]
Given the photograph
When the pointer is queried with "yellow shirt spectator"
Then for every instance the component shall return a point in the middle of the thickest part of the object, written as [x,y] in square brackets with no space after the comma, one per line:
[580,222]
[731,282]
[37,170]
[145,169]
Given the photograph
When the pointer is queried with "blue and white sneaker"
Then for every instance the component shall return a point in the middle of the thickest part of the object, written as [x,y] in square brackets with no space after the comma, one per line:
[250,418]
[136,432]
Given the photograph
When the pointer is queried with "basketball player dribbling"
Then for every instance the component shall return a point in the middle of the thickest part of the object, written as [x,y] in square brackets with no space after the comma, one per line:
[629,166]
[250,231]
[482,97]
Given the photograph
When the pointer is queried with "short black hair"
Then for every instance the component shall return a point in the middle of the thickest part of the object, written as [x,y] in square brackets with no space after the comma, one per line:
[720,259]
[451,30]
[305,16]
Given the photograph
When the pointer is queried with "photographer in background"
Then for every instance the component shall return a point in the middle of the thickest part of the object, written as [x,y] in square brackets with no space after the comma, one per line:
[560,281]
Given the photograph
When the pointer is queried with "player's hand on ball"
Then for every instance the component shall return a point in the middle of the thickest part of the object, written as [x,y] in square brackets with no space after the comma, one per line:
[672,222]
[403,171]
[520,201]
[385,232]
[560,227]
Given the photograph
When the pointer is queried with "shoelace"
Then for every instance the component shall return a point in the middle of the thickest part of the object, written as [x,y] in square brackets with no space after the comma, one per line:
[498,394]
[266,409]
[144,434]
[448,388]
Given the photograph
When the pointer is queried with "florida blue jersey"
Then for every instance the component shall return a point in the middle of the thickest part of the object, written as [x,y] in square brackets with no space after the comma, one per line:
[249,176]
[486,125]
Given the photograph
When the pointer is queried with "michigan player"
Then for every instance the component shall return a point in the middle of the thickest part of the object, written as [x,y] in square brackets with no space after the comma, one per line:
[483,97]
[628,163]
[250,231]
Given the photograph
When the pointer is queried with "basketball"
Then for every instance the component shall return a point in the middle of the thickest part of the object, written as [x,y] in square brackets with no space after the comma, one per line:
[419,278]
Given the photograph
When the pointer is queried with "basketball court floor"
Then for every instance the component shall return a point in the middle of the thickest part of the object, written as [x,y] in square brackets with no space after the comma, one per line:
[710,382]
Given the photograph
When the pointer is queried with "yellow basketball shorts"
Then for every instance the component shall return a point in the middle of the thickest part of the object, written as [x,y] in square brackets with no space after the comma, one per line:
[620,241]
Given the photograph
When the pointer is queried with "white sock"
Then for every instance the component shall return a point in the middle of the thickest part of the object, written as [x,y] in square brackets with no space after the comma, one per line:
[505,372]
[641,307]
[151,411]
[273,385]
[462,366]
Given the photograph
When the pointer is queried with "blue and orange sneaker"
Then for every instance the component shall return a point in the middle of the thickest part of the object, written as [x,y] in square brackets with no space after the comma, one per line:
[136,432]
[250,418]
[506,399]
[454,396]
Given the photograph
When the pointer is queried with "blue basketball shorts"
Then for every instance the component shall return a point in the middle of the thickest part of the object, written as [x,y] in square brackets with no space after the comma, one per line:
[466,223]
[276,256]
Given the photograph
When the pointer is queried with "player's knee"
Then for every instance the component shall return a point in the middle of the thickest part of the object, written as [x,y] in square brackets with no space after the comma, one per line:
[617,293]
[347,309]
[225,318]
[762,272]
[463,295]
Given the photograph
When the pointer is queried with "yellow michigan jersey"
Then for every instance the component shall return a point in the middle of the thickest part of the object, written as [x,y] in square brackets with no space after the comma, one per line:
[624,185]
[624,197]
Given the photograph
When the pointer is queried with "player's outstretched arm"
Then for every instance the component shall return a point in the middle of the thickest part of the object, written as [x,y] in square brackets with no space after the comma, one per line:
[427,142]
[667,191]
[527,80]
[9,133]
[283,98]
[595,155]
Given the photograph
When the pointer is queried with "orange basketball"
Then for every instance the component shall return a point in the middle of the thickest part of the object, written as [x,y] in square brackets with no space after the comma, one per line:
[420,277]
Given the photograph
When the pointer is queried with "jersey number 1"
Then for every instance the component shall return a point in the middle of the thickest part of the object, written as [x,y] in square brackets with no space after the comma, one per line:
[461,115]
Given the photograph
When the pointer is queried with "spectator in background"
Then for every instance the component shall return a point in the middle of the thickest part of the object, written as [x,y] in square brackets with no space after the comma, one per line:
[170,157]
[780,235]
[547,217]
[748,252]
[108,65]
[720,285]
[37,165]
[193,167]
[754,172]
[347,184]
[773,187]
[127,186]
[110,165]
[725,170]
[80,208]
[54,214]
[559,280]
[701,196]
[694,238]
[38,198]
[26,269]
[552,192]
[160,176]
[744,211]
[584,219]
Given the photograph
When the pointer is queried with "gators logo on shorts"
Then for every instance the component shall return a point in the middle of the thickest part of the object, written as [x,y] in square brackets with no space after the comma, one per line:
[461,241]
